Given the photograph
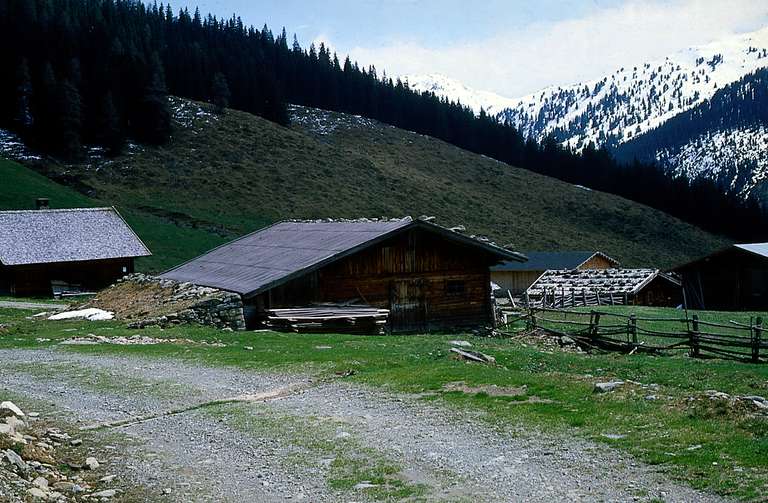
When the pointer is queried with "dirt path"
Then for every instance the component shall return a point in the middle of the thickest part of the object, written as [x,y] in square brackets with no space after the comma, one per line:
[12,304]
[322,441]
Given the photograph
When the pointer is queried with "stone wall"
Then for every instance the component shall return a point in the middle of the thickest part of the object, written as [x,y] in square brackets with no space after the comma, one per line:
[145,300]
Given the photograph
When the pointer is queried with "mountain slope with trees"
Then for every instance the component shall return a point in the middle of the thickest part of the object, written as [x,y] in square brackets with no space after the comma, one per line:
[725,138]
[98,73]
[229,174]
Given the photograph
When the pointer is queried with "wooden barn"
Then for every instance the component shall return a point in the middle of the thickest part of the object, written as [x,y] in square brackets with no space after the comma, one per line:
[516,277]
[594,287]
[45,251]
[731,279]
[428,277]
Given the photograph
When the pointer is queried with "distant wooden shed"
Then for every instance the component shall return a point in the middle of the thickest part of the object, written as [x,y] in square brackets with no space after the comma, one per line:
[645,287]
[67,249]
[427,276]
[732,279]
[516,277]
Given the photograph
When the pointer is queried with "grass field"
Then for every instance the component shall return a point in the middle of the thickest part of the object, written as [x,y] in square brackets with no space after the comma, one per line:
[705,443]
[228,175]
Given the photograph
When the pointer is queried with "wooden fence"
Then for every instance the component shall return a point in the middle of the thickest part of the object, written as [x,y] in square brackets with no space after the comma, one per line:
[632,333]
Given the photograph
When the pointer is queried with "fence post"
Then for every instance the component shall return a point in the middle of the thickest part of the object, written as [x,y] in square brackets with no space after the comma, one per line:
[594,323]
[694,336]
[633,329]
[532,318]
[757,335]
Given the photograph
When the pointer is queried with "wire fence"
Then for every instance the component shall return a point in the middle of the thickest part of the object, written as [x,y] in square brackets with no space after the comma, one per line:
[631,333]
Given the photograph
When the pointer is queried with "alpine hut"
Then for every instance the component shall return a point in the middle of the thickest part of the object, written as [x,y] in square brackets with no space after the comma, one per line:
[592,287]
[734,278]
[515,277]
[45,251]
[425,275]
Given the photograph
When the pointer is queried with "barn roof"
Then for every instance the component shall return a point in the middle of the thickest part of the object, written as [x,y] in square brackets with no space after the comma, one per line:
[542,261]
[46,236]
[755,248]
[759,249]
[618,281]
[274,255]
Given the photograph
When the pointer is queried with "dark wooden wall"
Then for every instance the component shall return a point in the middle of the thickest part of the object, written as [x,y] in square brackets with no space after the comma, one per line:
[733,280]
[659,293]
[597,262]
[426,281]
[35,280]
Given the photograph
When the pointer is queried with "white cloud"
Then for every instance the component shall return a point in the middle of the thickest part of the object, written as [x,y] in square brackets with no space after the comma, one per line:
[519,62]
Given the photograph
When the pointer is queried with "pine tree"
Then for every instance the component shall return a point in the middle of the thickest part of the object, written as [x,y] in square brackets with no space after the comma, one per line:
[110,133]
[23,116]
[220,93]
[69,121]
[154,116]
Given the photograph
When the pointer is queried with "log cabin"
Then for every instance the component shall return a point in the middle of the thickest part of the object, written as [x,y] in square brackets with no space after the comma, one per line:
[45,251]
[515,277]
[732,279]
[594,287]
[427,276]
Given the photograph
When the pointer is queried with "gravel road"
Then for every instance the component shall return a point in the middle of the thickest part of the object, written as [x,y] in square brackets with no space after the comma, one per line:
[315,444]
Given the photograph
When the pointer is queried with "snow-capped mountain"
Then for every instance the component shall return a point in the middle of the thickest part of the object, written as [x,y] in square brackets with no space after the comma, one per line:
[630,101]
[446,87]
[692,112]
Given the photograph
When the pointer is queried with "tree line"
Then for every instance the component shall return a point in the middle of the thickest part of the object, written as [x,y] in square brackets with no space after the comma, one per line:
[98,72]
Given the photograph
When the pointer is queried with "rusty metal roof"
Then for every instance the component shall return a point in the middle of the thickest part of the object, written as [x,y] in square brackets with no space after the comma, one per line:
[67,235]
[286,250]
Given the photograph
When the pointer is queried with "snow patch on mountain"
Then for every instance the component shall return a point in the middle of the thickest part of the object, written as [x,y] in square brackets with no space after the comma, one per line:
[632,100]
[453,90]
[737,157]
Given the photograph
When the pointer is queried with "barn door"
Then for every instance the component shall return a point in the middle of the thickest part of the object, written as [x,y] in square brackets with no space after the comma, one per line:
[407,307]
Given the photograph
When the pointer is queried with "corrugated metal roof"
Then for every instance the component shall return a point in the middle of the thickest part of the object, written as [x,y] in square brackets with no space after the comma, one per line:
[542,261]
[69,235]
[619,281]
[756,248]
[271,256]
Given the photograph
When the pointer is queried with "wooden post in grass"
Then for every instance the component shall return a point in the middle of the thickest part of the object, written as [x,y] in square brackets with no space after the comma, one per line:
[633,329]
[694,336]
[594,323]
[757,333]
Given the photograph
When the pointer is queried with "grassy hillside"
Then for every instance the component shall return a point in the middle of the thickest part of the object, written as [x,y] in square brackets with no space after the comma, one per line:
[169,243]
[234,173]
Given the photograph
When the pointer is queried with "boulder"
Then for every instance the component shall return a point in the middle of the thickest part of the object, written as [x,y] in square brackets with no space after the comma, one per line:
[607,387]
[10,409]
[92,463]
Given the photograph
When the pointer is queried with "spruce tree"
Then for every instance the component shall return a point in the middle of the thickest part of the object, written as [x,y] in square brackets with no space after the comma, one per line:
[220,93]
[110,133]
[23,115]
[69,121]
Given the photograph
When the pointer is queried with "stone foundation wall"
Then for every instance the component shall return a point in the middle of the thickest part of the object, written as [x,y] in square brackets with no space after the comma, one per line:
[145,300]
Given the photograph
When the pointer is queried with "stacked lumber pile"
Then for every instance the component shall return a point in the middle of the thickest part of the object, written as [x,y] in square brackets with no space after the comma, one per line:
[329,318]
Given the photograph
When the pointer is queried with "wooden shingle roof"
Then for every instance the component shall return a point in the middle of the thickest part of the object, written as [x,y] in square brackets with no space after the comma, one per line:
[617,281]
[67,235]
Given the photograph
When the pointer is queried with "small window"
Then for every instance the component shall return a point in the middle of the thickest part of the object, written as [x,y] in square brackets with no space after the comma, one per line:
[455,287]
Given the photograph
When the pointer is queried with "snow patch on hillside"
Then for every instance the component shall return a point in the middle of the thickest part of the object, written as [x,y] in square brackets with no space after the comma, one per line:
[323,123]
[738,157]
[632,100]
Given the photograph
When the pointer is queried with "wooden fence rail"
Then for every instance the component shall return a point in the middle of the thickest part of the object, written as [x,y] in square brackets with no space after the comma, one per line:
[632,333]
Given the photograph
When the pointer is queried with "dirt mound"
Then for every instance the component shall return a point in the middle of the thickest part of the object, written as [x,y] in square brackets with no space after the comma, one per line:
[147,301]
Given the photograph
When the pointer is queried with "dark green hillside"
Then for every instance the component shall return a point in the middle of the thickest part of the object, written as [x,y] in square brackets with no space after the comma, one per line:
[237,172]
[169,243]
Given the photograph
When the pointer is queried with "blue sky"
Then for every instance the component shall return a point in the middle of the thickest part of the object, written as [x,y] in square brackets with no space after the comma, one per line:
[511,47]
